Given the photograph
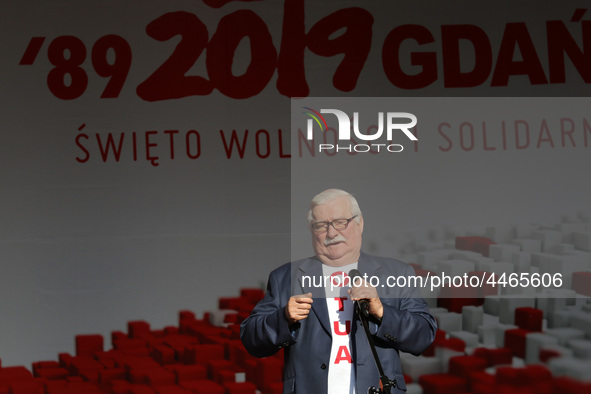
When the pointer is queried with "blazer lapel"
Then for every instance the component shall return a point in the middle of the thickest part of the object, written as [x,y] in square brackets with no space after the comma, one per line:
[312,269]
[367,266]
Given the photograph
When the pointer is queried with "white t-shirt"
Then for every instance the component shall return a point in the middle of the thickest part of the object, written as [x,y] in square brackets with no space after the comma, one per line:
[341,372]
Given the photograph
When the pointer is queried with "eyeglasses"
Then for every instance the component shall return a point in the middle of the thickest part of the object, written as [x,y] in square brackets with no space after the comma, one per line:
[337,224]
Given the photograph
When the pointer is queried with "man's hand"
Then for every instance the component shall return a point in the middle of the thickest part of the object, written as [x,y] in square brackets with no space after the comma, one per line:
[367,292]
[298,307]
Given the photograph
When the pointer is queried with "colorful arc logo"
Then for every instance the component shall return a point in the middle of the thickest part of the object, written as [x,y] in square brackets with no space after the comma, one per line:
[317,117]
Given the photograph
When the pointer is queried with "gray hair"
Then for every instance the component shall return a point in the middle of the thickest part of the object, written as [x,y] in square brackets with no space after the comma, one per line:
[331,195]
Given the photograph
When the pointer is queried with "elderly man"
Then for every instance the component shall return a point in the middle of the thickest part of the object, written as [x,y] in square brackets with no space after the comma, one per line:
[326,347]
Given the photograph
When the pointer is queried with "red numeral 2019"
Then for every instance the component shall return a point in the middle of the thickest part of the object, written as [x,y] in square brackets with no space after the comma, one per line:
[170,81]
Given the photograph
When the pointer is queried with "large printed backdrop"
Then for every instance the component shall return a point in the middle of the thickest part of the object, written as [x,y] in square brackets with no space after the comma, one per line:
[145,149]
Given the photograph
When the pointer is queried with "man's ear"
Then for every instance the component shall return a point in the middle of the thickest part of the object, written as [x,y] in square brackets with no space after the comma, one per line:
[361,224]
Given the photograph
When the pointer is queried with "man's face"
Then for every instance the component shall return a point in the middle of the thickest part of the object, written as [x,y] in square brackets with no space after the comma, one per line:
[337,248]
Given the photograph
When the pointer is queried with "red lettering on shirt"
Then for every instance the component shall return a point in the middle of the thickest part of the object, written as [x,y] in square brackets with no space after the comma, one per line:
[343,354]
[337,328]
[341,301]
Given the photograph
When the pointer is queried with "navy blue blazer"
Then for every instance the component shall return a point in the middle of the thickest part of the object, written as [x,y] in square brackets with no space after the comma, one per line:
[406,326]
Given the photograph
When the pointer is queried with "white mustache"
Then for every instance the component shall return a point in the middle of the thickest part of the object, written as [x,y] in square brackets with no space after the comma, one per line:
[338,238]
